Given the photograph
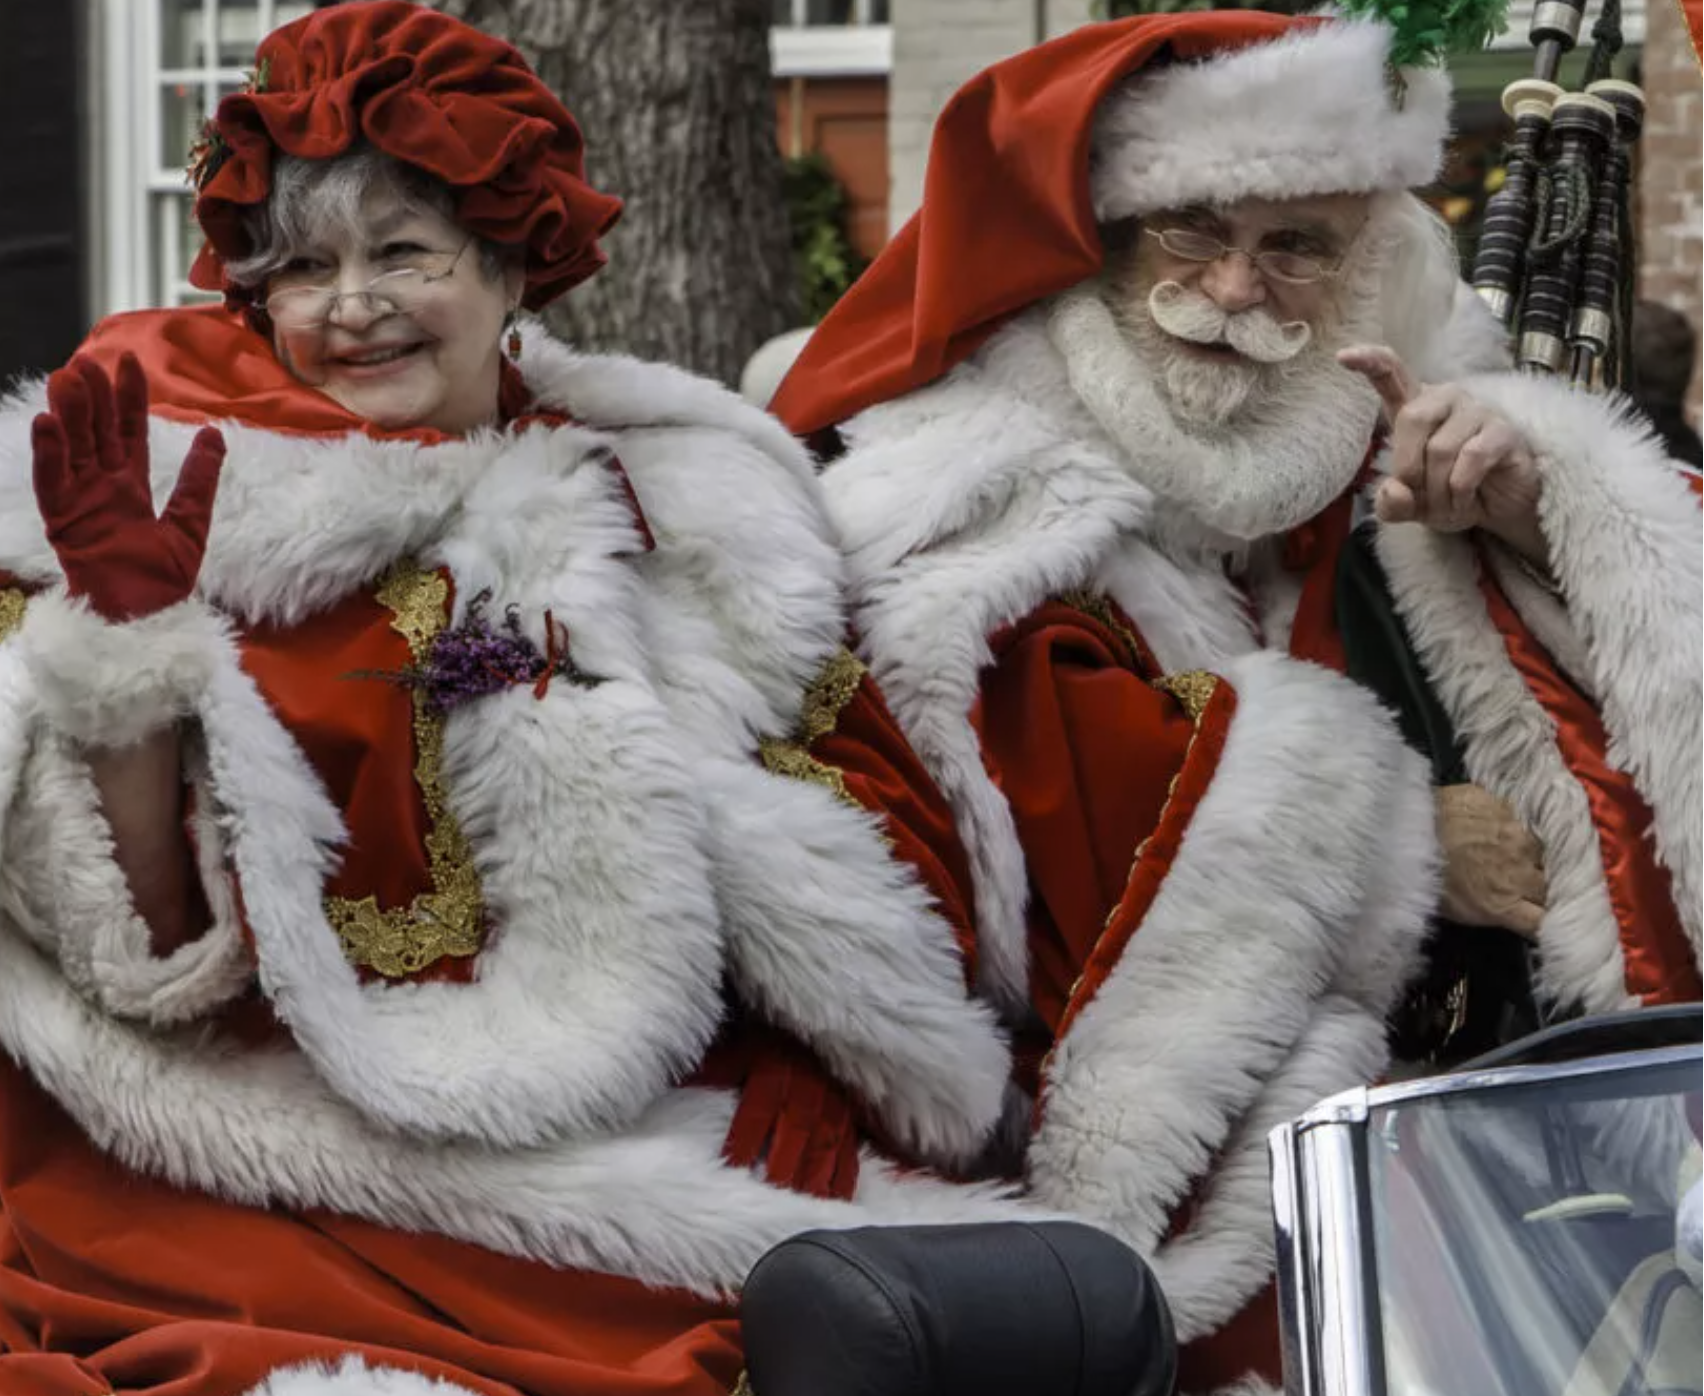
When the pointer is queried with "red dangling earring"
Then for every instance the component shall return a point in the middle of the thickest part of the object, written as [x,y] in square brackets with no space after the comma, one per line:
[514,339]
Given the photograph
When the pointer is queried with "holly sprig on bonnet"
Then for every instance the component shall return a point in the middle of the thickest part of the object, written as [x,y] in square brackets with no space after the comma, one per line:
[1426,32]
[211,149]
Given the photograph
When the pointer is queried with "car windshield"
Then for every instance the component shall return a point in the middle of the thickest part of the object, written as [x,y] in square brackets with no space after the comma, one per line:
[1541,1240]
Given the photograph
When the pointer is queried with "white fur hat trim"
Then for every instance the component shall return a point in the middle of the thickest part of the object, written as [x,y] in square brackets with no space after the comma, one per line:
[1310,113]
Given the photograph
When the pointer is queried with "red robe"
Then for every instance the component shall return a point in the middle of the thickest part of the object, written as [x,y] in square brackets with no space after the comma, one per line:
[111,1280]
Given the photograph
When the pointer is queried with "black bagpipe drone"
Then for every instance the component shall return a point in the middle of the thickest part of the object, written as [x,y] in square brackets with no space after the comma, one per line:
[1555,257]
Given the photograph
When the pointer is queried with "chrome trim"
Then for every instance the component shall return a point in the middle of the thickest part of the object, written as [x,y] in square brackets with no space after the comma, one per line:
[1345,1108]
[1344,1320]
[1540,350]
[1553,14]
[1295,1327]
[1594,325]
[1501,303]
[1498,1077]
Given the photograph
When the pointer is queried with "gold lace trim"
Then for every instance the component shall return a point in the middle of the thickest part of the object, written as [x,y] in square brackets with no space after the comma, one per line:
[12,604]
[819,714]
[742,1387]
[1192,688]
[450,919]
[1093,604]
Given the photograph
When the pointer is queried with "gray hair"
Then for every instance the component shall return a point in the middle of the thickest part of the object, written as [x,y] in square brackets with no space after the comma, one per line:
[313,201]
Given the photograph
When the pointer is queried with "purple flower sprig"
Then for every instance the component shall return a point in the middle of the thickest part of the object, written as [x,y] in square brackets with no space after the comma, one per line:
[473,659]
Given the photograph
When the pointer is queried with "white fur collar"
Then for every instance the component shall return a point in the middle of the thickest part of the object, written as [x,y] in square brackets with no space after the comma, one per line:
[300,521]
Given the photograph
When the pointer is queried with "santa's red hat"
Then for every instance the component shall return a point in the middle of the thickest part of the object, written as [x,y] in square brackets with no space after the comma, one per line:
[429,91]
[1106,122]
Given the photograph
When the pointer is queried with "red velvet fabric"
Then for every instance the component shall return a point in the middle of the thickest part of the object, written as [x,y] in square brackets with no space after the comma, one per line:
[1005,218]
[884,775]
[1085,750]
[1692,13]
[431,92]
[112,1282]
[322,678]
[1660,967]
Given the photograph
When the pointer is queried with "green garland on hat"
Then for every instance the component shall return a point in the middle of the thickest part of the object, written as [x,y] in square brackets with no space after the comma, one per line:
[1427,32]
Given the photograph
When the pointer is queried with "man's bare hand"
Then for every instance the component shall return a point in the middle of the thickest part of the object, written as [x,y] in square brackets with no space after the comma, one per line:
[1456,464]
[1493,867]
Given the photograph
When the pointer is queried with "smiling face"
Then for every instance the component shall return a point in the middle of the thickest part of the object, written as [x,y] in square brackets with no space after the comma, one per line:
[1218,302]
[412,337]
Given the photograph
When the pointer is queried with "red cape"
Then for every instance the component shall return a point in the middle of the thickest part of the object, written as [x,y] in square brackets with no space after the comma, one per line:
[1005,218]
[204,364]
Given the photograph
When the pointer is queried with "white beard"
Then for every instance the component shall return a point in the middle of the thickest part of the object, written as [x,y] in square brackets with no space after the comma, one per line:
[1240,450]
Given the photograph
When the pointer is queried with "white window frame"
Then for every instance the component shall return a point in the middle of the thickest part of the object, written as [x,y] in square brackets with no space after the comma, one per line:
[857,48]
[139,198]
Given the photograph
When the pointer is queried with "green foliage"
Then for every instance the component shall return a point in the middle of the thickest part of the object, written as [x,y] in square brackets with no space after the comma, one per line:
[1429,31]
[824,259]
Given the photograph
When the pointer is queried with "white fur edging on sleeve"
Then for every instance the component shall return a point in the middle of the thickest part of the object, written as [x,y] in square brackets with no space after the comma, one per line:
[110,685]
[1627,548]
[96,684]
[1256,983]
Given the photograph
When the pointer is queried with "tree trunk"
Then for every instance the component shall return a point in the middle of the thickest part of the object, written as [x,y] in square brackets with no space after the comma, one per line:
[675,103]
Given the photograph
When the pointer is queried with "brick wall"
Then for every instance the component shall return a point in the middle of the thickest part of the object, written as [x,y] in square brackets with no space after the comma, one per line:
[1670,209]
[938,45]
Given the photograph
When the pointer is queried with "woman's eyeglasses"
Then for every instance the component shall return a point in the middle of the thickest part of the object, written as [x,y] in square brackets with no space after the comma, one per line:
[397,291]
[1293,268]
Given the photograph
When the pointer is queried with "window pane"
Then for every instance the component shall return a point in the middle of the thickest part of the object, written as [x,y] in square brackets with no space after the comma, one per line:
[239,32]
[181,35]
[181,116]
[879,12]
[781,13]
[828,12]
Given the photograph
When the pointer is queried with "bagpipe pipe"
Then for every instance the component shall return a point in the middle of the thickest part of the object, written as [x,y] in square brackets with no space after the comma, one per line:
[1555,258]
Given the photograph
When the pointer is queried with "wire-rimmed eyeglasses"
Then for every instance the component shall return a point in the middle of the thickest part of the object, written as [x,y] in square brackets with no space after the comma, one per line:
[397,291]
[1292,268]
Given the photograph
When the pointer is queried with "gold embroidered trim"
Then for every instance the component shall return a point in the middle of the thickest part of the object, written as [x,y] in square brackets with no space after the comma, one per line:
[450,919]
[819,714]
[1096,606]
[1192,688]
[12,604]
[793,761]
[828,695]
[742,1387]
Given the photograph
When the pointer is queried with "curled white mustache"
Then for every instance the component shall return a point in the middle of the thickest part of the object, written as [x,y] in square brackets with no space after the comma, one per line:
[1253,333]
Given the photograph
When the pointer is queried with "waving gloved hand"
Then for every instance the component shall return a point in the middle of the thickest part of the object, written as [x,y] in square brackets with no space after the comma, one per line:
[92,487]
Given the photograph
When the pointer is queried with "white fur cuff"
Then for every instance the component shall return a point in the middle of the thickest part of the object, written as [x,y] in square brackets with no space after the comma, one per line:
[353,1377]
[110,685]
[1269,121]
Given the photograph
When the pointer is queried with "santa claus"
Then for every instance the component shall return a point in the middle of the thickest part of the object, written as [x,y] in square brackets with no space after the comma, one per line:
[1165,421]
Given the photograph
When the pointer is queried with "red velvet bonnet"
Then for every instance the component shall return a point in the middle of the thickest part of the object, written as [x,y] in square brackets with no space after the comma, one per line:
[429,91]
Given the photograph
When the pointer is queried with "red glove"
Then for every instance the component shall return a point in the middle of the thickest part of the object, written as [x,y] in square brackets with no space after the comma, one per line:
[91,485]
